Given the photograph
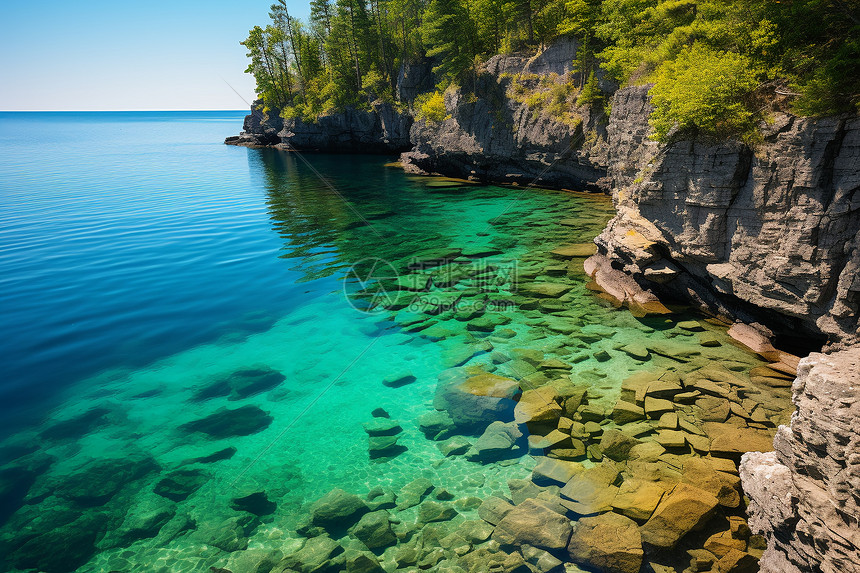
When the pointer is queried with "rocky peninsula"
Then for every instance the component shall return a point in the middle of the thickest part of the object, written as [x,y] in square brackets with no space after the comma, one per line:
[763,237]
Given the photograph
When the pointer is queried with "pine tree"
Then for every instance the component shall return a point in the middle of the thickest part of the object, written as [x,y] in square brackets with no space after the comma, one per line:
[445,32]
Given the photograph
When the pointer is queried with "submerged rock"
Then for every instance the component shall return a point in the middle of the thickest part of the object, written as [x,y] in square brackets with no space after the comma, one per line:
[180,484]
[499,441]
[398,379]
[78,426]
[637,499]
[241,384]
[256,503]
[317,554]
[413,493]
[228,423]
[431,511]
[100,481]
[475,401]
[684,509]
[337,509]
[220,455]
[374,530]
[436,424]
[493,509]
[60,549]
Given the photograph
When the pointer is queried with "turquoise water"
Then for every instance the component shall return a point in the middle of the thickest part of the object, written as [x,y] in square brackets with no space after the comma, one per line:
[185,324]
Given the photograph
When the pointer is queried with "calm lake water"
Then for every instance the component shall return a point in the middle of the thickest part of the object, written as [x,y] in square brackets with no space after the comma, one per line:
[190,353]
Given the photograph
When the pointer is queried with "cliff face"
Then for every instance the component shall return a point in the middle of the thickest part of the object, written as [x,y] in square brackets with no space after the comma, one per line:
[260,128]
[805,495]
[382,130]
[508,132]
[767,233]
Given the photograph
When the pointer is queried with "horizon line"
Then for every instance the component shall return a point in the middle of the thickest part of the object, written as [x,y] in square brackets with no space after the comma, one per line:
[107,110]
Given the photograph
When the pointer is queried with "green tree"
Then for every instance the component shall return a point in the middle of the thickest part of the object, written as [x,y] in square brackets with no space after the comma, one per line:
[449,37]
[704,89]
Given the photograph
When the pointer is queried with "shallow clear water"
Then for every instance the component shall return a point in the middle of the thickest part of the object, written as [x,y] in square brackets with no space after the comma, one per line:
[143,264]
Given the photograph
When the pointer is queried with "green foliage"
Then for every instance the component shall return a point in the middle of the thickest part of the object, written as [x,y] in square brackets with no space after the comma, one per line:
[448,35]
[704,89]
[349,53]
[431,107]
[550,95]
[590,93]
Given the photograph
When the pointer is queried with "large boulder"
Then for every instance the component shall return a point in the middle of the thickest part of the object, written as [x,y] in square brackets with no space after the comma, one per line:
[535,523]
[319,553]
[591,491]
[499,440]
[616,444]
[702,474]
[475,401]
[732,441]
[538,405]
[608,542]
[337,509]
[374,530]
[683,510]
[637,499]
[493,509]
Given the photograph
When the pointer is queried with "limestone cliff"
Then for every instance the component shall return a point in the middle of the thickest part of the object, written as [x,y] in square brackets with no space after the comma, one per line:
[805,495]
[382,129]
[764,233]
[260,128]
[521,126]
[767,233]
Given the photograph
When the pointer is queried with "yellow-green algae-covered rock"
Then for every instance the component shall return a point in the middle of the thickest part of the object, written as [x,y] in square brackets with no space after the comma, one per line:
[475,399]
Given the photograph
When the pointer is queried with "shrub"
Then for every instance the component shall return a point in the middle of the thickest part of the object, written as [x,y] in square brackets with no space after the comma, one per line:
[590,92]
[704,89]
[431,107]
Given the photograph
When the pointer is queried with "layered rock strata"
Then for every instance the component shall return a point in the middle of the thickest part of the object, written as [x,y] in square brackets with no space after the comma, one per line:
[805,495]
[509,131]
[769,232]
[382,129]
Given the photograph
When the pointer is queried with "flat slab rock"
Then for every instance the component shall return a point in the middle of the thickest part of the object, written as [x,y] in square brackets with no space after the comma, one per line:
[609,542]
[533,523]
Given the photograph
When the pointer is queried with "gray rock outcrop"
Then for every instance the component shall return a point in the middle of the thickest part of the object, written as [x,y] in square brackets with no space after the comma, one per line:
[382,129]
[805,495]
[490,136]
[765,233]
[260,128]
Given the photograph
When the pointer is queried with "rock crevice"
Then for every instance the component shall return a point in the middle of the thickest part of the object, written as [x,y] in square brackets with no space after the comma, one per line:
[805,495]
[769,233]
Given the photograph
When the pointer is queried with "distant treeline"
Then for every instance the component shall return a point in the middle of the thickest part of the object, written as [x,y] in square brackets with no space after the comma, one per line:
[715,63]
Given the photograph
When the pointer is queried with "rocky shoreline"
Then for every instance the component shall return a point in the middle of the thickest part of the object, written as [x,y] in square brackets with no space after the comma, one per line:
[765,237]
[644,477]
[804,495]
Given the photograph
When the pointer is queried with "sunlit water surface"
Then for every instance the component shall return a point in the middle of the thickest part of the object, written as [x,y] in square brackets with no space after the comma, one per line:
[143,264]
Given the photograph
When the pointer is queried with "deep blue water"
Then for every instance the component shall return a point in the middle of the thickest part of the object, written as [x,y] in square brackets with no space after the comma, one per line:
[128,236]
[176,340]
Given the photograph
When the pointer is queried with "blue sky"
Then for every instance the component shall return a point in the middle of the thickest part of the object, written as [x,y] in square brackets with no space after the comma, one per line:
[100,55]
